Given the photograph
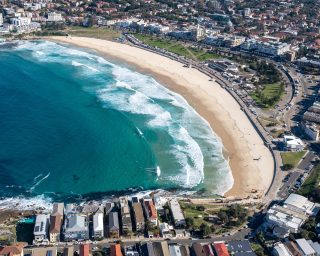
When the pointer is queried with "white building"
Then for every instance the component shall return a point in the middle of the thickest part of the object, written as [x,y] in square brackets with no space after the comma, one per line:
[311,130]
[41,228]
[98,230]
[54,17]
[293,143]
[305,247]
[292,215]
[281,250]
[1,20]
[165,230]
[20,21]
[177,213]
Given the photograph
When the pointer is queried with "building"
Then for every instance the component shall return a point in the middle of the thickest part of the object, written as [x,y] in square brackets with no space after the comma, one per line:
[20,21]
[292,248]
[138,217]
[305,247]
[292,214]
[113,225]
[161,249]
[208,250]
[147,249]
[84,249]
[126,224]
[54,17]
[1,20]
[98,228]
[13,250]
[58,209]
[165,230]
[178,250]
[292,143]
[55,228]
[312,130]
[281,250]
[197,250]
[115,250]
[108,207]
[177,213]
[41,228]
[221,249]
[150,211]
[68,251]
[243,246]
[315,246]
[76,228]
[44,251]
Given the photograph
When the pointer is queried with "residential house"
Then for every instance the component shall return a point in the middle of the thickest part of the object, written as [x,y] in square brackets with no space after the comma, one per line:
[68,251]
[115,250]
[76,227]
[84,249]
[41,228]
[161,249]
[13,250]
[44,251]
[197,250]
[150,211]
[138,217]
[98,227]
[305,247]
[113,225]
[221,249]
[177,213]
[55,228]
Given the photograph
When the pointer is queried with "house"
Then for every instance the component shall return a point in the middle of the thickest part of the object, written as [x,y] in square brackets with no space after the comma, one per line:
[178,250]
[177,213]
[76,228]
[197,250]
[58,209]
[68,251]
[208,250]
[147,249]
[44,251]
[235,247]
[150,211]
[41,228]
[113,225]
[305,247]
[292,143]
[281,250]
[221,249]
[108,207]
[13,250]
[165,230]
[125,215]
[84,249]
[293,248]
[138,217]
[98,228]
[115,250]
[55,228]
[161,249]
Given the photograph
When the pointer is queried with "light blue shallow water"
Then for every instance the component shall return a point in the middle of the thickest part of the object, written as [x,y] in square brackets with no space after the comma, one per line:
[73,123]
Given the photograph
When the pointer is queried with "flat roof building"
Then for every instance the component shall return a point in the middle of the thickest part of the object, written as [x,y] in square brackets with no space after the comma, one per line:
[98,227]
[41,228]
[177,213]
[305,247]
[84,249]
[221,249]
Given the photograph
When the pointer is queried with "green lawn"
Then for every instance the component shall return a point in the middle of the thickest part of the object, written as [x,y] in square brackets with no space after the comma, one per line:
[292,158]
[269,95]
[94,32]
[312,182]
[177,48]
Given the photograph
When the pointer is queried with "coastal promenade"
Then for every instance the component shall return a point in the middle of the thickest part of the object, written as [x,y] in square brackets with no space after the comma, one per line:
[271,192]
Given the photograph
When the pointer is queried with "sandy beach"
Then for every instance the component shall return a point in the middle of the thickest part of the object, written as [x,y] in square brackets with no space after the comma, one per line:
[241,142]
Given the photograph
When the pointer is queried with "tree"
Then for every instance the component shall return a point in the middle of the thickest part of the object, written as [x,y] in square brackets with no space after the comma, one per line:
[205,229]
[287,167]
[189,222]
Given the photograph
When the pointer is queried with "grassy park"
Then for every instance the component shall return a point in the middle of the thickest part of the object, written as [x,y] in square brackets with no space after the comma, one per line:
[292,158]
[94,32]
[177,48]
[312,183]
[269,95]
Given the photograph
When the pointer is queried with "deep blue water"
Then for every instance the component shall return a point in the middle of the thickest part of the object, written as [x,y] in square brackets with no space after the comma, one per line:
[74,123]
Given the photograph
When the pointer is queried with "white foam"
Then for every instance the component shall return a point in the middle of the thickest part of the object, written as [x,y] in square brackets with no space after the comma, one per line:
[23,203]
[37,183]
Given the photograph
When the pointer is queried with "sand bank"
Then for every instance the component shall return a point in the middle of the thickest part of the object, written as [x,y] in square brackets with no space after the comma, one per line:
[241,142]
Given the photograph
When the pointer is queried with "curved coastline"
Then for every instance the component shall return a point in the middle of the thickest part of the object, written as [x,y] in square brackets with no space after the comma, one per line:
[241,141]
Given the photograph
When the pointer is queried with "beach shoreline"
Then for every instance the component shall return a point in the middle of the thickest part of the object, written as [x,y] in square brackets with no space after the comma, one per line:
[241,142]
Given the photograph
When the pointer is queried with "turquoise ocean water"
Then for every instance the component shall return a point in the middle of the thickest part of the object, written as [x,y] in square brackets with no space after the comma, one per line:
[75,125]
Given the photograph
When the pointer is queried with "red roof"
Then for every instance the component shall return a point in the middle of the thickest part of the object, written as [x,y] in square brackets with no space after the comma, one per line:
[84,249]
[153,211]
[221,249]
[115,250]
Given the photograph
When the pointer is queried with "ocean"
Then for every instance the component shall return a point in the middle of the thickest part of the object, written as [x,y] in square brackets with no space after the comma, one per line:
[75,125]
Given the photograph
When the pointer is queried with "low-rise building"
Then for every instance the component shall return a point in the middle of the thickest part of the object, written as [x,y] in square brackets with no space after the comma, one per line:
[312,130]
[150,211]
[113,225]
[55,228]
[12,250]
[177,213]
[41,228]
[292,143]
[281,250]
[221,249]
[98,226]
[305,247]
[76,228]
[54,17]
[84,249]
[165,230]
[44,251]
[138,217]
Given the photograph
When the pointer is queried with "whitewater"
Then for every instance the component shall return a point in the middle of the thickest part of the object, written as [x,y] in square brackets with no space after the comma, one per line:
[188,152]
